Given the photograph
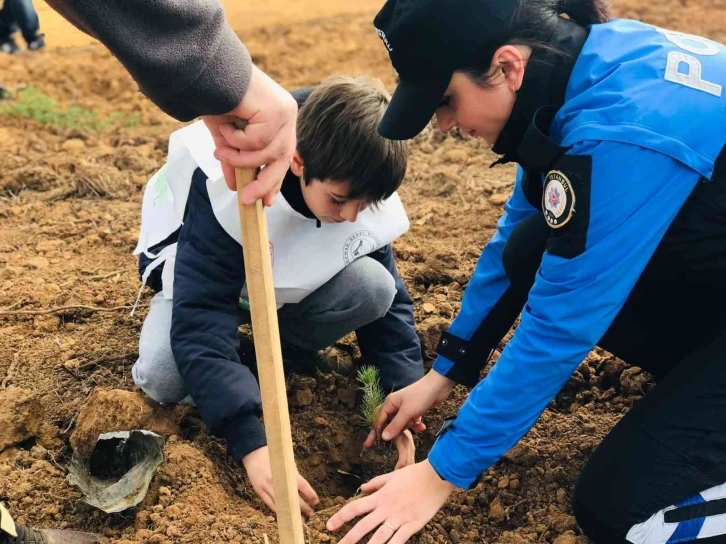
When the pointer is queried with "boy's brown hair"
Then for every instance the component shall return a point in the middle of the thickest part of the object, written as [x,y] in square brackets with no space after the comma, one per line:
[338,140]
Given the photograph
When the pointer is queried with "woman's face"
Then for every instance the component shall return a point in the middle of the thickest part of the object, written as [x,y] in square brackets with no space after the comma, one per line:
[482,111]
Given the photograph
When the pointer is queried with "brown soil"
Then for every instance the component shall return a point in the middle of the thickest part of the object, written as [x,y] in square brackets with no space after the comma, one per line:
[69,210]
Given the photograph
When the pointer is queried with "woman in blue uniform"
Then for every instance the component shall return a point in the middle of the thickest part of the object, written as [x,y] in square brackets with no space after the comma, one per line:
[615,235]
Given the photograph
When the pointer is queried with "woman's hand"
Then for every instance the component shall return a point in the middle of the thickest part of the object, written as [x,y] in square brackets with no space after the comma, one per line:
[408,405]
[401,504]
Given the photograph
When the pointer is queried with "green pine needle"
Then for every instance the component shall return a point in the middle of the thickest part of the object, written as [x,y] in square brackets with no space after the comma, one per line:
[373,395]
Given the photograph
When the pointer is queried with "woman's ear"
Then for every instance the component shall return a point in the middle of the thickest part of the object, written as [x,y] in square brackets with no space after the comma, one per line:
[511,61]
[297,164]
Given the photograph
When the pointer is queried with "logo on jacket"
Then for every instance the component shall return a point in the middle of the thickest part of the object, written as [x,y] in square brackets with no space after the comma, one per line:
[558,199]
[358,244]
[159,186]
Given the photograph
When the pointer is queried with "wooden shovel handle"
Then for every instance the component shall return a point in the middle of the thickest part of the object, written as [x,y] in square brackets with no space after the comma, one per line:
[266,333]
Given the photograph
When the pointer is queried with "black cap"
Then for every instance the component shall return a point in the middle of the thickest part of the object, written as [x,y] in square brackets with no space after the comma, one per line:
[427,40]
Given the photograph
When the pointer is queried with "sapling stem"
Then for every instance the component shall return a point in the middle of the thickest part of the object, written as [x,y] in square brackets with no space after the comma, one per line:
[373,395]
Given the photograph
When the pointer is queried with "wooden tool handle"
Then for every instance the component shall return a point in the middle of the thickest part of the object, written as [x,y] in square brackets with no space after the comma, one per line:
[244,176]
[258,270]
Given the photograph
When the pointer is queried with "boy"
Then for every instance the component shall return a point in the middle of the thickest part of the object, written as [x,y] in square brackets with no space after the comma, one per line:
[333,267]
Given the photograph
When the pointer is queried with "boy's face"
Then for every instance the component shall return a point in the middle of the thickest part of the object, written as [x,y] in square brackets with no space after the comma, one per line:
[328,199]
[329,203]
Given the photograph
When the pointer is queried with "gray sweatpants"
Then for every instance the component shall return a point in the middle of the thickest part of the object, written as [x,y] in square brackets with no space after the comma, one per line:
[361,293]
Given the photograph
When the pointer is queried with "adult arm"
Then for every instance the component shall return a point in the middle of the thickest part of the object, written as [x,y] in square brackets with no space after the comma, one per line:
[183,55]
[626,197]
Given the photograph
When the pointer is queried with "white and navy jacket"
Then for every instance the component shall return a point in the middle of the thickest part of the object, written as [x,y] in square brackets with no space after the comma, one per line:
[208,277]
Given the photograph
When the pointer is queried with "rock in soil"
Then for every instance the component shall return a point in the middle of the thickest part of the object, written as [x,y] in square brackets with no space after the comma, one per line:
[633,381]
[21,416]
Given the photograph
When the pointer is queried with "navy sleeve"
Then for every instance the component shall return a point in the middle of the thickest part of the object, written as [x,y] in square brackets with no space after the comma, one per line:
[631,196]
[391,343]
[208,278]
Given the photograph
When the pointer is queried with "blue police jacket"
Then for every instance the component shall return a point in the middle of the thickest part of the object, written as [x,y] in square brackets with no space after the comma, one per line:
[641,123]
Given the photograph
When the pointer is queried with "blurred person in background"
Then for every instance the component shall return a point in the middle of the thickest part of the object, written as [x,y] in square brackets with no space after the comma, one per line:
[19,15]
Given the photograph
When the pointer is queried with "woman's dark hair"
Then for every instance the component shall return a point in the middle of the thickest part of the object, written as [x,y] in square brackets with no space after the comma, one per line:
[532,24]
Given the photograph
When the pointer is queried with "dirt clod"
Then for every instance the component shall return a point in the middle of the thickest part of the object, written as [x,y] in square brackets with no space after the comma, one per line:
[496,510]
[304,397]
[21,416]
[566,538]
[633,381]
[348,396]
[74,145]
[116,410]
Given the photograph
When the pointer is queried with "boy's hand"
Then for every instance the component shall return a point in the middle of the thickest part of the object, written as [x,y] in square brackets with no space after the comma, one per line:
[259,471]
[269,138]
[406,406]
[406,449]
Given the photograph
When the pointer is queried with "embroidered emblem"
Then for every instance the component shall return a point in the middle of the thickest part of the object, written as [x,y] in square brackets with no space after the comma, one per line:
[358,244]
[159,186]
[558,199]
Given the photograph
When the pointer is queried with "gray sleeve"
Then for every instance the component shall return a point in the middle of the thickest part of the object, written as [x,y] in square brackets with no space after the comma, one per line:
[182,53]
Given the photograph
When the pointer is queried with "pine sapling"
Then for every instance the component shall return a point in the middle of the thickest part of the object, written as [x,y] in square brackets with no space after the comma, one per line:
[373,395]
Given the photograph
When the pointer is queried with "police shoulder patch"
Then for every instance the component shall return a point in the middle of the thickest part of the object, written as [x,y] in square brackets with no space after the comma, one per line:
[558,199]
[567,185]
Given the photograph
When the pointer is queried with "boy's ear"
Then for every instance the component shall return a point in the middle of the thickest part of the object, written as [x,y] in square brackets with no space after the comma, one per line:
[297,164]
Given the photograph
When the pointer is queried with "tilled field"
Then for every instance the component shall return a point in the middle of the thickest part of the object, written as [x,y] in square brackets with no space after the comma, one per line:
[69,217]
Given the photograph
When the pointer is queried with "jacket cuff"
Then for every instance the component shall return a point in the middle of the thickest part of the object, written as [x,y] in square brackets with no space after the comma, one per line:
[442,365]
[457,362]
[443,460]
[219,88]
[244,435]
